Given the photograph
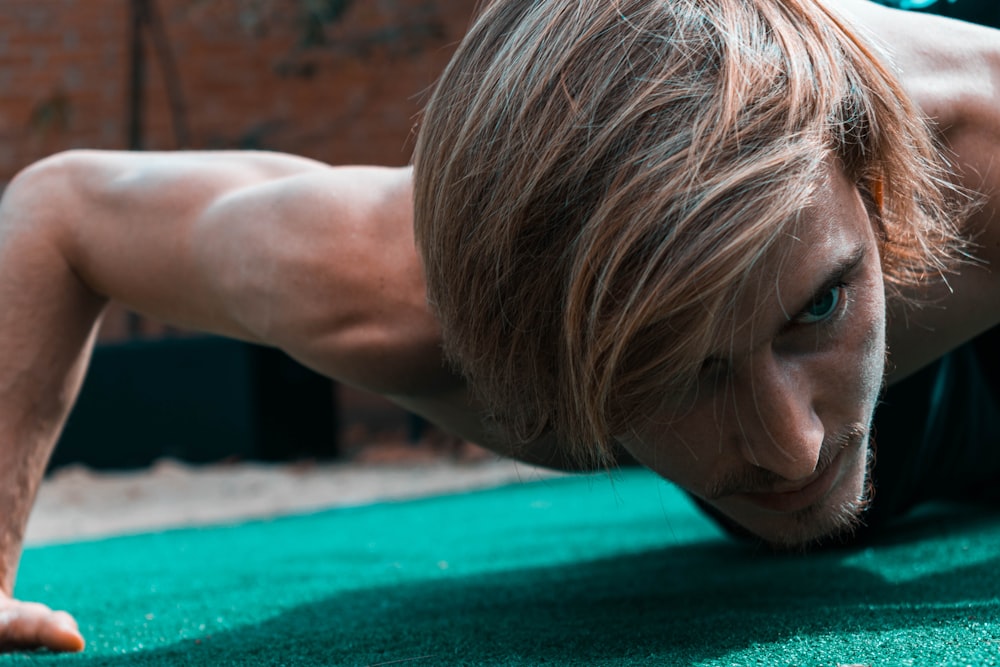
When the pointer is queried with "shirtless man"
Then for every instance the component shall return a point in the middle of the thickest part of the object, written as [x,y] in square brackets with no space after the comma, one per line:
[644,298]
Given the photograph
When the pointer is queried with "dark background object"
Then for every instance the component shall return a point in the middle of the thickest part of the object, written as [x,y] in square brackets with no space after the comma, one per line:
[986,12]
[197,399]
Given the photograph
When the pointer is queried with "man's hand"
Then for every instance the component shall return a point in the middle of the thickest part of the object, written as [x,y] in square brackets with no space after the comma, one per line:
[30,625]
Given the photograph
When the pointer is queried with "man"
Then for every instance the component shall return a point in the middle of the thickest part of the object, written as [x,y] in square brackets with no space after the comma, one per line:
[680,232]
[670,229]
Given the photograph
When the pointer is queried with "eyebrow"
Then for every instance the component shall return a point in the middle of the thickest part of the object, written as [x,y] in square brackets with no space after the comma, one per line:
[837,273]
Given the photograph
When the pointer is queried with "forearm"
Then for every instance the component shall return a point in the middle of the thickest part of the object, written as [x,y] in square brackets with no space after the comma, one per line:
[47,323]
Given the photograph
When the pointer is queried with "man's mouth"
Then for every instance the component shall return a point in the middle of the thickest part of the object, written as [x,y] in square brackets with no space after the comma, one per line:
[798,498]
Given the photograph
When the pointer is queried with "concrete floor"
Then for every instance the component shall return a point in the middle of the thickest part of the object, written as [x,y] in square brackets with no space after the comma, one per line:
[76,503]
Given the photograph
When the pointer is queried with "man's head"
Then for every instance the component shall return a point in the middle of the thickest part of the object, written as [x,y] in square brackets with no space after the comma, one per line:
[619,202]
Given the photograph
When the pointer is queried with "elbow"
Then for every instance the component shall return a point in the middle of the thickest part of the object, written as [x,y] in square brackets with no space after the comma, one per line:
[41,195]
[42,208]
[57,164]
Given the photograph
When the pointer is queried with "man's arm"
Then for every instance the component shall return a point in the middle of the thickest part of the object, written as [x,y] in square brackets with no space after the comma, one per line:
[47,322]
[262,247]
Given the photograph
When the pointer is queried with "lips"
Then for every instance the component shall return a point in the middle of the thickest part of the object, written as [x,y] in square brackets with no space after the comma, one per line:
[797,499]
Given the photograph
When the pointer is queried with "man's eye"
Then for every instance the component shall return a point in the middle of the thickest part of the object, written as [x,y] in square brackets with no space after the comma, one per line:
[822,308]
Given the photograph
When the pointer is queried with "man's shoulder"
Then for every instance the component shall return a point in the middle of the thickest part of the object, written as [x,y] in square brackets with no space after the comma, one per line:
[952,79]
[349,295]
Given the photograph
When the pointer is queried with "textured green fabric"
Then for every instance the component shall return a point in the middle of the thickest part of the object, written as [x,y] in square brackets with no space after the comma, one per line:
[576,571]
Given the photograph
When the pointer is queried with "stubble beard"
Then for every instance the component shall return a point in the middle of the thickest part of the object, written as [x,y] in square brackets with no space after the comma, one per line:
[824,524]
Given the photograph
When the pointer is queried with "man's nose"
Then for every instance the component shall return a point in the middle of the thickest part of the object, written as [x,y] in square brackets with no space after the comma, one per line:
[780,430]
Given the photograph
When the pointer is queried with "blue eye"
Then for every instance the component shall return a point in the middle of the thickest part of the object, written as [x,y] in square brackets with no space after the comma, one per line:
[822,308]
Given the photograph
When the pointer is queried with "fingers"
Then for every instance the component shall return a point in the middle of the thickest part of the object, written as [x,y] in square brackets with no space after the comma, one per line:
[62,634]
[29,625]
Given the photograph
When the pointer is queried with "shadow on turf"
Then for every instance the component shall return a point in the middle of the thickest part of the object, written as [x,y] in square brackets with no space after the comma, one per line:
[670,606]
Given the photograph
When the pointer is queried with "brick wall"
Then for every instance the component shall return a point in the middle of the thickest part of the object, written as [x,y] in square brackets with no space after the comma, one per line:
[336,80]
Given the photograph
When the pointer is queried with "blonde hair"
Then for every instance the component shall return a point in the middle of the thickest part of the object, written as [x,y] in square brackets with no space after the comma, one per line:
[595,180]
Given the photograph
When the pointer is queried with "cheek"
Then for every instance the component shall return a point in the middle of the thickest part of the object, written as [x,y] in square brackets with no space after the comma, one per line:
[873,361]
[685,451]
[872,345]
[847,378]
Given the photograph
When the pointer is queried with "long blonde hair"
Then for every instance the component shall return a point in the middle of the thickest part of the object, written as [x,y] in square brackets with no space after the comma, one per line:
[595,180]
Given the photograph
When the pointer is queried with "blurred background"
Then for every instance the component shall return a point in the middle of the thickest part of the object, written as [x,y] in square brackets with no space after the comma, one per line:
[340,81]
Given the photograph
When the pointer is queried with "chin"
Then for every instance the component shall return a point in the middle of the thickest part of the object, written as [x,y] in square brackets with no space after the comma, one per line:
[816,527]
[831,520]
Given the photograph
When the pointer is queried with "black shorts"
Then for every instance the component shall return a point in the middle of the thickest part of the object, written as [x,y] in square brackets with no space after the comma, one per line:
[986,12]
[937,433]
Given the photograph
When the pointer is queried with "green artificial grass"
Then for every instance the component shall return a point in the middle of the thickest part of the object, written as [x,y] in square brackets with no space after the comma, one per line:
[575,571]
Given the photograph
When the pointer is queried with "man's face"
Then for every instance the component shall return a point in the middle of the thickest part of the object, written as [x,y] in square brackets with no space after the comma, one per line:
[775,436]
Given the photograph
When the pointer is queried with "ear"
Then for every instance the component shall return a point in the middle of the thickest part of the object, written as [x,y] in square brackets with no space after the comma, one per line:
[876,190]
[875,185]
[872,192]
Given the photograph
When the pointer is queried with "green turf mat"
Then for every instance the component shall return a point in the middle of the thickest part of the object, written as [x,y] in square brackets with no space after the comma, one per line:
[575,571]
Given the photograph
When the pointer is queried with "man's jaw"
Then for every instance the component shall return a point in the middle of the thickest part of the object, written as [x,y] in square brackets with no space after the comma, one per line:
[820,509]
